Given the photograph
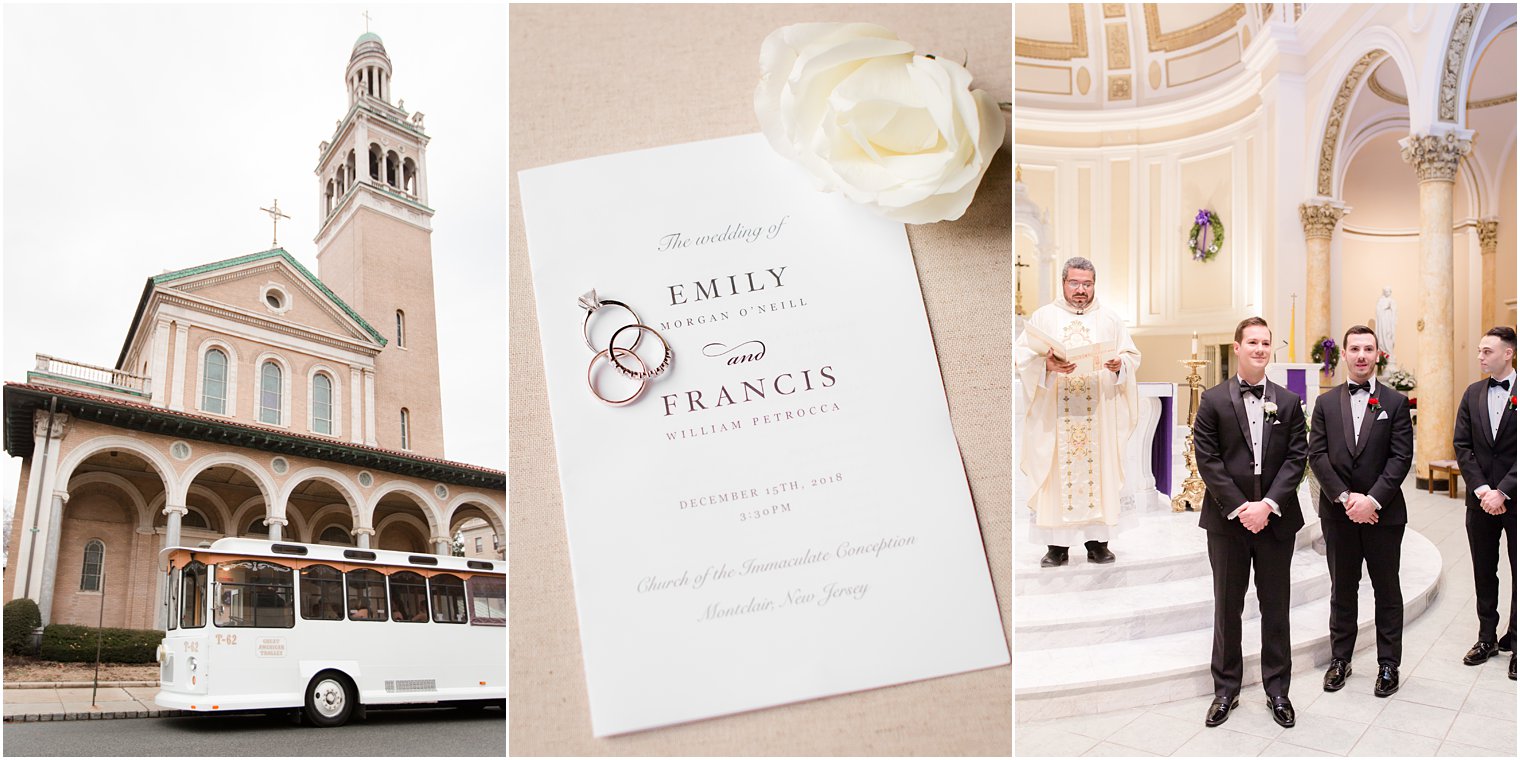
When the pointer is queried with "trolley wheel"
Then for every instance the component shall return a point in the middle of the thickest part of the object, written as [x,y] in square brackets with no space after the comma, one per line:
[329,699]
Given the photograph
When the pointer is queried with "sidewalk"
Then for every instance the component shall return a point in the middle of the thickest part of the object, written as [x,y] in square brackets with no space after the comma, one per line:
[71,701]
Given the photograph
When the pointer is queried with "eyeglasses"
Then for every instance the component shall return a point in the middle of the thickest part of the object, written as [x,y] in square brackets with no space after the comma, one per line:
[1079,285]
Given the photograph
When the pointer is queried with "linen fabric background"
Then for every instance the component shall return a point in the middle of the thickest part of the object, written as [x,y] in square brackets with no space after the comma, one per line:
[591,80]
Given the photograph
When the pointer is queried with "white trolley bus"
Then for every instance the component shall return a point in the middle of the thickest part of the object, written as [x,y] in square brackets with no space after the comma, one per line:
[261,625]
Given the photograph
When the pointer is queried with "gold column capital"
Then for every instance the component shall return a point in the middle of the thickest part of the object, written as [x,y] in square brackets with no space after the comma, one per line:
[1319,218]
[1435,157]
[1488,235]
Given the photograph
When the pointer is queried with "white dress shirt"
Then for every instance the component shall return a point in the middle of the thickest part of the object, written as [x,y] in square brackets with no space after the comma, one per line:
[1256,416]
[1359,403]
[1498,398]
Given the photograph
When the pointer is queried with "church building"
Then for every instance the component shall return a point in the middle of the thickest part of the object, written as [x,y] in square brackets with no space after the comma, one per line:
[253,397]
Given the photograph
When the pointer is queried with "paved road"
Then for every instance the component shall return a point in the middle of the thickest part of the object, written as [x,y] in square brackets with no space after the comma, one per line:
[426,733]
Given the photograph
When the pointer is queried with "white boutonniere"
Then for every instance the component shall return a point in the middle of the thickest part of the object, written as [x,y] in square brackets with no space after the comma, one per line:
[1269,410]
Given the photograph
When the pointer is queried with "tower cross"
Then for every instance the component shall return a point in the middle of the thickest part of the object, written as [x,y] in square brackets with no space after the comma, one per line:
[275,215]
[366,21]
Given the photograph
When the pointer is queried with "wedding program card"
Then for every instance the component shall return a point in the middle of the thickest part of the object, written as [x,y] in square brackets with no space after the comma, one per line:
[783,515]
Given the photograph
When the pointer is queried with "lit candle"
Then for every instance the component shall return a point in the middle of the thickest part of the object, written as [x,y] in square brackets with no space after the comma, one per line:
[1195,344]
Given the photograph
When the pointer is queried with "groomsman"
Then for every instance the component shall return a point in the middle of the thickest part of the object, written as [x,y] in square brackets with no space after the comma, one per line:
[1249,440]
[1360,447]
[1485,444]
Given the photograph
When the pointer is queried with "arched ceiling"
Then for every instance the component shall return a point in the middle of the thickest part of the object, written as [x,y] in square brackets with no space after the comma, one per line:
[1123,55]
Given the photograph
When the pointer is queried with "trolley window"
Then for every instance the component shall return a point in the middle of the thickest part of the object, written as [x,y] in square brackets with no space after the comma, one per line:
[192,596]
[172,596]
[447,594]
[366,595]
[321,593]
[408,597]
[253,594]
[488,600]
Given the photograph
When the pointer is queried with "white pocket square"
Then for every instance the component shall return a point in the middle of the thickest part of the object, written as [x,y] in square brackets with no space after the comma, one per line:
[1382,415]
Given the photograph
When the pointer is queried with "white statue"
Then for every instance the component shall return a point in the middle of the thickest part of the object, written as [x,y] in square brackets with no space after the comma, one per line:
[1387,321]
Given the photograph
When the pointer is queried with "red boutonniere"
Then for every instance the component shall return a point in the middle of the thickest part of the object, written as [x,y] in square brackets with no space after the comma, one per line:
[1512,400]
[1373,403]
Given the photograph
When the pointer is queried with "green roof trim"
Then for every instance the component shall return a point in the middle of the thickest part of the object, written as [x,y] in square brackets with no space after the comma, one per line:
[269,254]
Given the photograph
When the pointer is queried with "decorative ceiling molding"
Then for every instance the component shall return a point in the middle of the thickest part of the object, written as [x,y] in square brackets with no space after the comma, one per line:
[1338,112]
[1119,87]
[1113,10]
[1190,36]
[1058,51]
[1455,59]
[1118,45]
[1397,99]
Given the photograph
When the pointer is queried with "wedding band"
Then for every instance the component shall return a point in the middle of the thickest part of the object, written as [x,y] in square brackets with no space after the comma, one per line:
[646,373]
[591,372]
[591,303]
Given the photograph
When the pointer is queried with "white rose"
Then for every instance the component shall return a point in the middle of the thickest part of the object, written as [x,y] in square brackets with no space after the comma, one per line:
[1269,408]
[901,133]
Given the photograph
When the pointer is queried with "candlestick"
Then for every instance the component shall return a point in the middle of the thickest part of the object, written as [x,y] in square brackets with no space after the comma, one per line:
[1190,495]
[1195,344]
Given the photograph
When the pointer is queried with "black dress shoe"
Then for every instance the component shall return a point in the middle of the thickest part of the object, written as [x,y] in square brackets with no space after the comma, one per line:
[1055,557]
[1387,681]
[1512,667]
[1282,711]
[1219,710]
[1507,642]
[1098,553]
[1336,676]
[1480,653]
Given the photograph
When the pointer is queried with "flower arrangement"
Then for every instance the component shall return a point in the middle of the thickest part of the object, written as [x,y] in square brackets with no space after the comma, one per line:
[1206,237]
[899,132]
[1401,380]
[1382,363]
[1326,353]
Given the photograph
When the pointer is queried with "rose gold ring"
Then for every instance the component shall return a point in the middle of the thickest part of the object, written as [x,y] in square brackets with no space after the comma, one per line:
[591,376]
[645,372]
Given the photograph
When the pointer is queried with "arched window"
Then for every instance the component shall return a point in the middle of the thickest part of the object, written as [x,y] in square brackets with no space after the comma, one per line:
[257,528]
[374,162]
[270,393]
[193,519]
[94,565]
[214,382]
[400,329]
[334,534]
[328,197]
[392,168]
[409,177]
[406,429]
[322,404]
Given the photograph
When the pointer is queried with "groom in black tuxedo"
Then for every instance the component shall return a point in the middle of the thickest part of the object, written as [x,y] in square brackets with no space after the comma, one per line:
[1249,440]
[1360,447]
[1485,443]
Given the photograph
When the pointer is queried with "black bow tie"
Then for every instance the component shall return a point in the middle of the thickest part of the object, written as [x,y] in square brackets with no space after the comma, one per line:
[1255,390]
[1492,383]
[1363,387]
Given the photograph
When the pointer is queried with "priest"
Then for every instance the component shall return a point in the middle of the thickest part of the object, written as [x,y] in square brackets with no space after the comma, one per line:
[1079,420]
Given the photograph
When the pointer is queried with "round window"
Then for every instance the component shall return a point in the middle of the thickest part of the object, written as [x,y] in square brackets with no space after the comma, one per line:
[273,299]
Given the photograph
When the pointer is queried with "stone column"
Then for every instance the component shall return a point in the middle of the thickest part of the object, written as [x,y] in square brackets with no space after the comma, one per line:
[176,513]
[28,560]
[1488,244]
[362,536]
[443,546]
[1319,218]
[50,555]
[1435,159]
[276,527]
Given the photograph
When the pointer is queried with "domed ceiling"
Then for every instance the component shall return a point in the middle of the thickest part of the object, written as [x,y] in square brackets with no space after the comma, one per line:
[1118,55]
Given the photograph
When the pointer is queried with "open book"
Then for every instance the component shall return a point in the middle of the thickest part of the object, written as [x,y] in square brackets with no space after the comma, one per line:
[1089,357]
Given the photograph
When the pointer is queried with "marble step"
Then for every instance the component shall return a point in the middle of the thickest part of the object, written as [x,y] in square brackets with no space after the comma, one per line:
[1090,679]
[1155,548]
[1104,615]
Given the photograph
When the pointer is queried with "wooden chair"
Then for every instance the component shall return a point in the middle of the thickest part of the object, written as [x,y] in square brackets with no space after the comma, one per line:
[1449,467]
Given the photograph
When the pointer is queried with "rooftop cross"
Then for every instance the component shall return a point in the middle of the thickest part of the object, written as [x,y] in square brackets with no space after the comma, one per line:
[366,21]
[275,215]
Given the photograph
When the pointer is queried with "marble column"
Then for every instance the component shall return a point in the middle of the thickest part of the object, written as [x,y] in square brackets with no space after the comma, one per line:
[1319,218]
[1488,245]
[50,555]
[362,536]
[443,546]
[176,513]
[1435,159]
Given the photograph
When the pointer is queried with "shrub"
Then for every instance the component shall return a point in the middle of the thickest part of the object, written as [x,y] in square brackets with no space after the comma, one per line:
[21,618]
[76,643]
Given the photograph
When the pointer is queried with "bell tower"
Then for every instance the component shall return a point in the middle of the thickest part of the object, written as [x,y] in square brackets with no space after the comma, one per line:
[374,249]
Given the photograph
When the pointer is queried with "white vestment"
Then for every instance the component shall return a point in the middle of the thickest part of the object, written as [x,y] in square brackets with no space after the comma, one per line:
[1074,434]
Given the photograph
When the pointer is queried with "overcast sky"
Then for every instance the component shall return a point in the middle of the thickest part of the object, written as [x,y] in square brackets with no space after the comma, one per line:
[140,139]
